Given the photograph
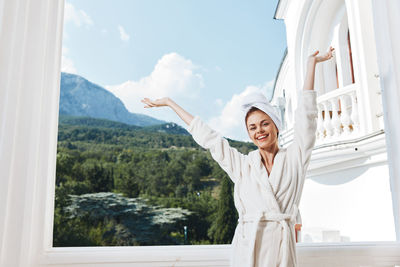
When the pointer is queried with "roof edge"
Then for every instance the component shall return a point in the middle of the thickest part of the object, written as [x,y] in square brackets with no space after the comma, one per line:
[281,9]
[278,72]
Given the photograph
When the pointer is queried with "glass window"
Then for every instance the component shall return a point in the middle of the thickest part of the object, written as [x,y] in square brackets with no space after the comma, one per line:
[130,176]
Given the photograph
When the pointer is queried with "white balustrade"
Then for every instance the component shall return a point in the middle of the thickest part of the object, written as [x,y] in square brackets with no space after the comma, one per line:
[338,117]
[320,123]
[337,114]
[345,114]
[336,124]
[327,120]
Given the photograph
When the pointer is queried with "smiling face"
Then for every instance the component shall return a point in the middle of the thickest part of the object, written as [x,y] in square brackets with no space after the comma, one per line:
[261,129]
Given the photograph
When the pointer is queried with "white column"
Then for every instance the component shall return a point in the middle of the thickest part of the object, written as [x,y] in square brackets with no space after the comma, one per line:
[342,53]
[30,53]
[354,113]
[338,55]
[362,36]
[386,23]
[329,70]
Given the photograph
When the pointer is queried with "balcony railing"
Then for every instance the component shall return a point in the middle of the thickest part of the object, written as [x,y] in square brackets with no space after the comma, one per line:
[338,115]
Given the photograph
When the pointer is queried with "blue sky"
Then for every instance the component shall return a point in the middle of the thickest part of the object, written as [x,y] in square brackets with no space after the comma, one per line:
[203,54]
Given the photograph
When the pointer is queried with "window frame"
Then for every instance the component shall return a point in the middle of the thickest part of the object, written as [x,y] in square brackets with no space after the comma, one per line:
[337,254]
[35,30]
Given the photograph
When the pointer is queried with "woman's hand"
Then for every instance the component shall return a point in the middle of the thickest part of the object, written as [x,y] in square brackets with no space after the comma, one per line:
[314,58]
[312,62]
[166,101]
[162,102]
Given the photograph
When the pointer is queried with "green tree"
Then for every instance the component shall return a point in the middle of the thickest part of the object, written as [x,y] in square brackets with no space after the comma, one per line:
[127,181]
[225,218]
[192,176]
[100,179]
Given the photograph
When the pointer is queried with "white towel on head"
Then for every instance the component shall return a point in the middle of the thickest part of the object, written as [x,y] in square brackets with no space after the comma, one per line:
[258,100]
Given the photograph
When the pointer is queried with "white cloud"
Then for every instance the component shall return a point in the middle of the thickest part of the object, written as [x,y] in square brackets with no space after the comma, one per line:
[122,34]
[172,76]
[230,122]
[76,16]
[67,65]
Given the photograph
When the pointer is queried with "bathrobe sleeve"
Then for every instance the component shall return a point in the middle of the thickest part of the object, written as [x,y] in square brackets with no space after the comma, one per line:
[305,125]
[227,157]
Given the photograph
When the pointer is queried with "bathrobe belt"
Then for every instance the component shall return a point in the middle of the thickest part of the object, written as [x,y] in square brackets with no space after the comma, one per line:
[284,219]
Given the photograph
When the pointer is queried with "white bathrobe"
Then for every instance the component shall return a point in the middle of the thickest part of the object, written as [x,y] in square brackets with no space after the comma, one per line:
[267,205]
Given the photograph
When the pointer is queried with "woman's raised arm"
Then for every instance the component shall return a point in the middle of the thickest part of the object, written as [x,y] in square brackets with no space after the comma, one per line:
[227,157]
[166,101]
[305,123]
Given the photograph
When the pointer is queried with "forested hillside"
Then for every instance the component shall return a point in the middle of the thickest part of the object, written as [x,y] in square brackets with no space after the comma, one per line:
[118,184]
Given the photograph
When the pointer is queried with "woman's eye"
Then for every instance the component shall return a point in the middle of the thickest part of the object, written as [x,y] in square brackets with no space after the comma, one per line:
[266,124]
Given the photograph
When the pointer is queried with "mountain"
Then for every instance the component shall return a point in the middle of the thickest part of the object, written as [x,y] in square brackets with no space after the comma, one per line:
[79,97]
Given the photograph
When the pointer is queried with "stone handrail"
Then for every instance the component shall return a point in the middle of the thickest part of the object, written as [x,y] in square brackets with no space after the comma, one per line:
[338,114]
[341,122]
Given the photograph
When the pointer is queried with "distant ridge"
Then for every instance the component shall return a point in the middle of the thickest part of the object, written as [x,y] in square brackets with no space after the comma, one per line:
[79,97]
[95,122]
[168,128]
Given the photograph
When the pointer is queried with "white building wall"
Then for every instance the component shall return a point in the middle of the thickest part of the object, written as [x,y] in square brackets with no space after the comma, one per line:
[310,26]
[360,208]
[386,24]
[314,25]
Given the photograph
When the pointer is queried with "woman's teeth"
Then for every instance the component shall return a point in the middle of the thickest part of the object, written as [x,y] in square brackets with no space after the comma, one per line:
[261,137]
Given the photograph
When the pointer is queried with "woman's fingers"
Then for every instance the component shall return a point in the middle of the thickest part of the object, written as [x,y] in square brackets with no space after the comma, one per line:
[314,54]
[146,100]
[148,103]
[330,52]
[328,55]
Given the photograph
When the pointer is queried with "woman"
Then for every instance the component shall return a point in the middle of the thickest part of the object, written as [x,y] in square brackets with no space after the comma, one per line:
[268,181]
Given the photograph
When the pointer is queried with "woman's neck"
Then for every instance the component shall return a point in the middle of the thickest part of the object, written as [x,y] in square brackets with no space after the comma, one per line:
[268,155]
